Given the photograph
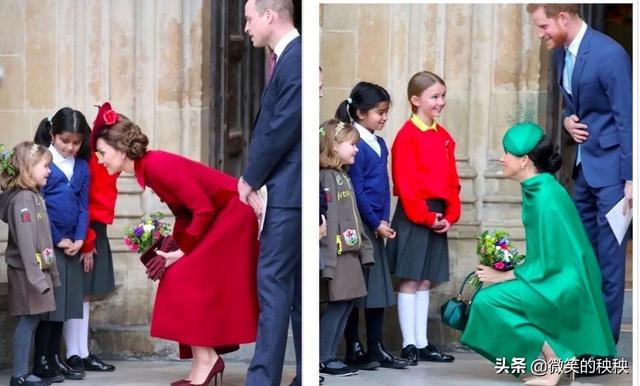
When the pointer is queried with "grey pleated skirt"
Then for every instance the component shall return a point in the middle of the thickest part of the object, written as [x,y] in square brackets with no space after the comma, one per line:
[68,295]
[100,281]
[417,252]
[377,278]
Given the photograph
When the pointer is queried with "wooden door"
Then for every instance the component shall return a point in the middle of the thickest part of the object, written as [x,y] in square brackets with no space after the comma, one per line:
[236,82]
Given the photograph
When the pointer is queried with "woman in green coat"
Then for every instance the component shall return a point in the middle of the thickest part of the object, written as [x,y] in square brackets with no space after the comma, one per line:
[552,303]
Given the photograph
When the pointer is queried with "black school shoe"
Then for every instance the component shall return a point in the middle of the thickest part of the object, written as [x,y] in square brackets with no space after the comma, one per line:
[22,381]
[67,371]
[410,353]
[341,371]
[378,353]
[432,354]
[43,369]
[356,358]
[93,363]
[76,363]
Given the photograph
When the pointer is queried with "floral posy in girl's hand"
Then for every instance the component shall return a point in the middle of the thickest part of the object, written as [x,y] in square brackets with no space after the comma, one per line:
[139,237]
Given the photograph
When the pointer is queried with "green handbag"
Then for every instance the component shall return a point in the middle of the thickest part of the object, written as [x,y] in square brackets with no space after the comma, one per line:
[455,311]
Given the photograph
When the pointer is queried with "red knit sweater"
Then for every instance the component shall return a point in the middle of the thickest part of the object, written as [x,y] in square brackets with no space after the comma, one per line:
[424,167]
[103,193]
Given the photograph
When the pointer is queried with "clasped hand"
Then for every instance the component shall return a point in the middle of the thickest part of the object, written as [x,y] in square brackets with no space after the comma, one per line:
[440,225]
[385,231]
[70,247]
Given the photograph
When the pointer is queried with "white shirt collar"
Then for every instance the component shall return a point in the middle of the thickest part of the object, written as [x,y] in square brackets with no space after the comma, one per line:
[365,134]
[575,44]
[59,158]
[284,42]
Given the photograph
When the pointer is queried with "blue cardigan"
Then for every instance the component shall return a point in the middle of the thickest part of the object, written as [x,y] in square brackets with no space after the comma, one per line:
[370,179]
[68,202]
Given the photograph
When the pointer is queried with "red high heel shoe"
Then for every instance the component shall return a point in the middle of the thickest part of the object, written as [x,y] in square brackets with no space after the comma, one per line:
[218,367]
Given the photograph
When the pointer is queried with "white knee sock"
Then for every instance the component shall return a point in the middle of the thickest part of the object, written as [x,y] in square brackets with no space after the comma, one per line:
[422,316]
[83,333]
[406,316]
[70,332]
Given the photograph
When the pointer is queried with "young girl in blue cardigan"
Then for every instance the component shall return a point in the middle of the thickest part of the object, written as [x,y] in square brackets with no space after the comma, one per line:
[367,108]
[66,134]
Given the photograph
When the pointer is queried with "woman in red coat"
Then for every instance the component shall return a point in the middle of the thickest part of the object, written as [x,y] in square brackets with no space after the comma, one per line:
[207,294]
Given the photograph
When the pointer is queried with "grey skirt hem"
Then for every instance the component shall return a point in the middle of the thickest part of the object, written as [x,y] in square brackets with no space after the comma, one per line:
[101,280]
[417,252]
[68,295]
[377,278]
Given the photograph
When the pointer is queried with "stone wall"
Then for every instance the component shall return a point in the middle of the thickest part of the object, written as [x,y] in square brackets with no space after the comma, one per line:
[495,71]
[149,58]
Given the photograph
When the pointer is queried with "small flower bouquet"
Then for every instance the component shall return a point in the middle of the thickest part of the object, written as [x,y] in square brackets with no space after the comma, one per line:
[139,237]
[496,251]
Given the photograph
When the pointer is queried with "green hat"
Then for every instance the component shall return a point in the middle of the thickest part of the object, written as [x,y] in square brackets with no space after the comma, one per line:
[522,138]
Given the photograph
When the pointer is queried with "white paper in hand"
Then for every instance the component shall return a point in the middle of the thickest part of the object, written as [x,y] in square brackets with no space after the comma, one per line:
[619,222]
[262,194]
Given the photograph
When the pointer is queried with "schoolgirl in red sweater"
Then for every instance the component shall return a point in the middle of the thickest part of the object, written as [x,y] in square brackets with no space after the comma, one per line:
[426,182]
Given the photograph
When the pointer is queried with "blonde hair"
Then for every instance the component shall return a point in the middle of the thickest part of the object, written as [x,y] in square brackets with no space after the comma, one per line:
[126,137]
[552,10]
[333,132]
[19,164]
[420,82]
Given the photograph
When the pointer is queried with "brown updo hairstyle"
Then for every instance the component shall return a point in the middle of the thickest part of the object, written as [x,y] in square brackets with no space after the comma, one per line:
[328,137]
[19,163]
[127,137]
[420,82]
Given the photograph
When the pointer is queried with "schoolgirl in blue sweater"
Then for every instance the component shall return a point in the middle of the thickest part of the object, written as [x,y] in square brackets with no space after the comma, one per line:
[367,108]
[66,134]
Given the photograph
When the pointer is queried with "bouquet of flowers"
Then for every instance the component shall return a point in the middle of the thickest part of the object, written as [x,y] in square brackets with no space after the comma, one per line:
[139,237]
[496,251]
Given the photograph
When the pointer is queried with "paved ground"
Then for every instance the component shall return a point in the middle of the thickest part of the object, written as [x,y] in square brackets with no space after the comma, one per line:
[156,373]
[468,369]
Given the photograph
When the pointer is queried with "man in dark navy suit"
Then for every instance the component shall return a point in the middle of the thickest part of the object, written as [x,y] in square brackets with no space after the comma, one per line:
[594,77]
[275,161]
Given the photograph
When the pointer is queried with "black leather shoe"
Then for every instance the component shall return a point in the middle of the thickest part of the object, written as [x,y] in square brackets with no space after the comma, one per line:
[432,354]
[356,358]
[43,369]
[378,353]
[22,381]
[68,372]
[93,363]
[76,363]
[410,353]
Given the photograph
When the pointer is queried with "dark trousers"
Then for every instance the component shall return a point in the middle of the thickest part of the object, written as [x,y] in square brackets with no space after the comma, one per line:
[374,318]
[48,339]
[332,324]
[279,296]
[593,204]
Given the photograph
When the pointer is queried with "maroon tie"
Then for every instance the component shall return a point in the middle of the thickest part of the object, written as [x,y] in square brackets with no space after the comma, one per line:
[272,66]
